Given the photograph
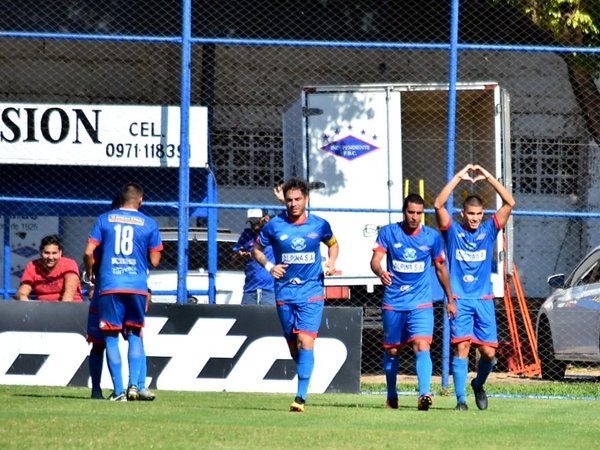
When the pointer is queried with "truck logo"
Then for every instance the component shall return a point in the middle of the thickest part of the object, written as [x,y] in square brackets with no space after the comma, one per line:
[349,147]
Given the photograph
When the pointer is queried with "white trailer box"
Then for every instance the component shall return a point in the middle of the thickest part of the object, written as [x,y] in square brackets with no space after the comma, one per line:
[371,144]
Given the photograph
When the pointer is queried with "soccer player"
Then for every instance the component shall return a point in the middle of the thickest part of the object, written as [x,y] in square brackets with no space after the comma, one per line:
[407,310]
[470,255]
[299,289]
[129,240]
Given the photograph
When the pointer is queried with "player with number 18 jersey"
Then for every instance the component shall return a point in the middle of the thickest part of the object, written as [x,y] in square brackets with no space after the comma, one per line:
[126,236]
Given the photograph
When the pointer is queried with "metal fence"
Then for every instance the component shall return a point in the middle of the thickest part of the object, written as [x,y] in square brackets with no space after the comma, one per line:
[250,62]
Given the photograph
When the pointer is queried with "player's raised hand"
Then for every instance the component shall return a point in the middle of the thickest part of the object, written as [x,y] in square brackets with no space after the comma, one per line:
[465,173]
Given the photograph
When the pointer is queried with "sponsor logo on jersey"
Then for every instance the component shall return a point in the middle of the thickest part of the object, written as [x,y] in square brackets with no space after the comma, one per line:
[468,278]
[410,254]
[283,237]
[398,245]
[298,244]
[404,288]
[466,256]
[118,218]
[408,267]
[298,258]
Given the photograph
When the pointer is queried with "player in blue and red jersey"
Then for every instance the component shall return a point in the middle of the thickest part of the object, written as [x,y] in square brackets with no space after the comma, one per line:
[296,237]
[129,240]
[470,256]
[407,310]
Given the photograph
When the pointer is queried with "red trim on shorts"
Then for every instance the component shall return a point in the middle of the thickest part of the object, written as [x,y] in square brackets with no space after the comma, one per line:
[425,305]
[487,344]
[488,297]
[460,339]
[105,326]
[427,339]
[134,325]
[307,333]
[280,303]
[317,299]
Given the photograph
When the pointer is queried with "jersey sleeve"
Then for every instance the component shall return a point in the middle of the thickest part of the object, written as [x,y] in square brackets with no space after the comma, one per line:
[381,241]
[69,266]
[438,248]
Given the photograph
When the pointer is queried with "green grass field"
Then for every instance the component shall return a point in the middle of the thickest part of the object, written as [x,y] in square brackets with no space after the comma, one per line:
[47,417]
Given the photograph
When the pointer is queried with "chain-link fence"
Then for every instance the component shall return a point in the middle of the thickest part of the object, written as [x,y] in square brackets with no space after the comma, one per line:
[354,94]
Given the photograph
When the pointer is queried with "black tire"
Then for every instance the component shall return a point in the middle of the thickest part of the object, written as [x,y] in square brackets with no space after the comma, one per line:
[552,368]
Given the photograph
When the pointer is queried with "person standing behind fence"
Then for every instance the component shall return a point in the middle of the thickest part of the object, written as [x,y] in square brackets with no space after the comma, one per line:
[407,310]
[52,277]
[470,256]
[129,240]
[299,280]
[259,285]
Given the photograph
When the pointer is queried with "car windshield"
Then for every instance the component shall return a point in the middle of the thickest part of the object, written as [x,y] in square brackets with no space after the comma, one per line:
[198,256]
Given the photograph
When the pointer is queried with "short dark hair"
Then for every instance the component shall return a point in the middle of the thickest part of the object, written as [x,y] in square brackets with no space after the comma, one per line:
[295,183]
[472,200]
[412,198]
[51,239]
[131,192]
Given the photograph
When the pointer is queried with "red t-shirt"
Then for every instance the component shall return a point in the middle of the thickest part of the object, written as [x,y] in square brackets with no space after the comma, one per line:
[49,287]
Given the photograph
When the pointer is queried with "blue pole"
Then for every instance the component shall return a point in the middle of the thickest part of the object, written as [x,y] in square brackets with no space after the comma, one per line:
[184,169]
[7,252]
[453,75]
[212,239]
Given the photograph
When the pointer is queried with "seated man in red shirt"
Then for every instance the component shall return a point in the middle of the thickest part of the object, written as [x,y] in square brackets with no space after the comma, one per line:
[52,277]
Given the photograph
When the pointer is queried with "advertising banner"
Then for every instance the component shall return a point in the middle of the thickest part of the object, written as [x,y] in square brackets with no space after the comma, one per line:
[99,135]
[189,347]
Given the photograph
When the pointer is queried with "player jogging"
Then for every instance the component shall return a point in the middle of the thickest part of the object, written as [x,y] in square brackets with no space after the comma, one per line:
[407,310]
[470,255]
[296,237]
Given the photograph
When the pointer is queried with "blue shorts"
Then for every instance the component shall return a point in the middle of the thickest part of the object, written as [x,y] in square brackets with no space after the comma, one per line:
[475,322]
[402,327]
[120,310]
[94,334]
[298,318]
[259,297]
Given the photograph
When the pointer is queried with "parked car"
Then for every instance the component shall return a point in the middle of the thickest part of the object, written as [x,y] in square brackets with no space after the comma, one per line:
[229,278]
[568,322]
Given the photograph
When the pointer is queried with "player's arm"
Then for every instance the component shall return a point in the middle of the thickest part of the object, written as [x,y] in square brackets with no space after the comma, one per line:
[154,258]
[23,292]
[333,250]
[441,272]
[442,215]
[384,276]
[258,253]
[88,260]
[70,287]
[508,201]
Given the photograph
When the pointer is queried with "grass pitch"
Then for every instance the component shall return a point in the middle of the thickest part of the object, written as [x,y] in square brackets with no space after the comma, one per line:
[33,417]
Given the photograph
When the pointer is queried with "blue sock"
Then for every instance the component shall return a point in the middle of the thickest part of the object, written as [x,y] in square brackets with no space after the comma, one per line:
[390,368]
[134,357]
[115,366]
[459,373]
[424,369]
[141,384]
[484,368]
[306,364]
[96,362]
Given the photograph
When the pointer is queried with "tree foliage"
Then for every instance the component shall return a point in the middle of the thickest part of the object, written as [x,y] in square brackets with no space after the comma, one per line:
[571,22]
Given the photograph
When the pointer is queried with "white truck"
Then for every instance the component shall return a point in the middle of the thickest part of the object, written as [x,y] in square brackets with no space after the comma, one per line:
[371,144]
